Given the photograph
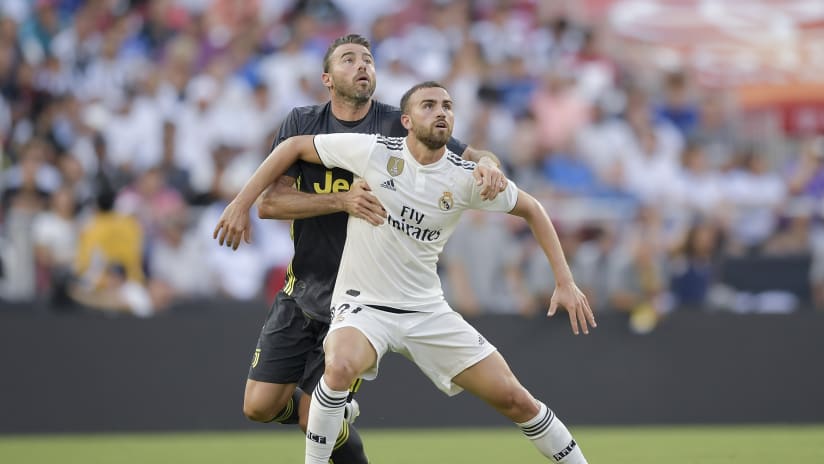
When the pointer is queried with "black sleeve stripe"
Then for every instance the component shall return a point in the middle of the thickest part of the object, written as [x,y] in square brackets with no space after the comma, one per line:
[393,143]
[460,162]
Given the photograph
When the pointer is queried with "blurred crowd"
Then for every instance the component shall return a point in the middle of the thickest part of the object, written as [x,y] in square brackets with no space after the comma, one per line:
[126,126]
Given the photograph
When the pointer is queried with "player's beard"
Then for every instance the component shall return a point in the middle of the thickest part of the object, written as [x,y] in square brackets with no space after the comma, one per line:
[431,136]
[353,92]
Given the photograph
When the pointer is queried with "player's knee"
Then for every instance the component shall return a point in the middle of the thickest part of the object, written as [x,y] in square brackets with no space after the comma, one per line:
[517,403]
[340,373]
[258,412]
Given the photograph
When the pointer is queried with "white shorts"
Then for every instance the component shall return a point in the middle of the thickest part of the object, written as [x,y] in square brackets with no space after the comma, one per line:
[439,341]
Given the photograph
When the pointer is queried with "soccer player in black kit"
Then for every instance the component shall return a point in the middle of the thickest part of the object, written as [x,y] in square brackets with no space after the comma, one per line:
[289,356]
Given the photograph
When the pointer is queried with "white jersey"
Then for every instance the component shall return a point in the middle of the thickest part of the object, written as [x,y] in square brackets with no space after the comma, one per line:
[394,264]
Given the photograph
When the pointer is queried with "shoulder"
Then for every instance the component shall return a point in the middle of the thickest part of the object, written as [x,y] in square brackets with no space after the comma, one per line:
[392,143]
[460,172]
[383,108]
[307,113]
[388,119]
[459,163]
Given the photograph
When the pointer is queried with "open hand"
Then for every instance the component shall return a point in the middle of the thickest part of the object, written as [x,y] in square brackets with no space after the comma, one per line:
[361,203]
[232,226]
[571,298]
[490,178]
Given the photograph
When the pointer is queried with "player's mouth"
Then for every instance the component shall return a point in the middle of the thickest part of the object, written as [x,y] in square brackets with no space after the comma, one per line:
[442,125]
[363,78]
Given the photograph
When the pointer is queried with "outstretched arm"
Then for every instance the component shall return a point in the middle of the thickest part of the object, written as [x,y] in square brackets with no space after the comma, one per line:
[566,293]
[234,222]
[282,200]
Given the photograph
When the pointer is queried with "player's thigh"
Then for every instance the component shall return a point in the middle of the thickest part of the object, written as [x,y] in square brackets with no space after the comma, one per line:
[492,380]
[266,399]
[289,342]
[488,379]
[358,337]
[442,344]
[349,354]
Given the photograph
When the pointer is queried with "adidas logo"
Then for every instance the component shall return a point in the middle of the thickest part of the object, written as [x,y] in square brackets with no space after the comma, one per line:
[389,184]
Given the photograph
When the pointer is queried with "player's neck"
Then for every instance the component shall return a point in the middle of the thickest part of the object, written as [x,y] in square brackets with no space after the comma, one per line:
[423,154]
[346,110]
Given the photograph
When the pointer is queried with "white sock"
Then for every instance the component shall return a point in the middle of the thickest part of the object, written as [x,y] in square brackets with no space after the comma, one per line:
[325,419]
[552,438]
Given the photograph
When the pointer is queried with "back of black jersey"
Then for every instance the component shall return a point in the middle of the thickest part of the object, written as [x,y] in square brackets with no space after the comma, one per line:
[319,240]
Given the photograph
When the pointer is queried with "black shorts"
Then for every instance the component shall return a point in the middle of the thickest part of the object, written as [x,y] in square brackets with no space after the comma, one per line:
[290,346]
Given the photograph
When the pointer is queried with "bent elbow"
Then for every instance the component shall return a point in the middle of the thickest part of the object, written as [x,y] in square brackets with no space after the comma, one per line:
[266,210]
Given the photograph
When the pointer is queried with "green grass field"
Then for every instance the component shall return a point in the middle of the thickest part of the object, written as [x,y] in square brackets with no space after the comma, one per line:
[613,445]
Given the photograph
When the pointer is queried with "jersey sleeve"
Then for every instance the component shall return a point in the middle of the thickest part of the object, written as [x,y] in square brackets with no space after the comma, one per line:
[503,203]
[346,151]
[288,128]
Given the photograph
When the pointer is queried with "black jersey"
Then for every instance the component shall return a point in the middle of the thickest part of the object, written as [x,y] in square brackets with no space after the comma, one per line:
[310,277]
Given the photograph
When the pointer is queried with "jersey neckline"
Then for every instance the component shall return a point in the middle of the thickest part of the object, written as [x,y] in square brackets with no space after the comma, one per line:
[426,167]
[351,124]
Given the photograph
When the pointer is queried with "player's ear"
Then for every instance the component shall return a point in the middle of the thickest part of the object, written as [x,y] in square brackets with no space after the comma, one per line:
[326,79]
[406,121]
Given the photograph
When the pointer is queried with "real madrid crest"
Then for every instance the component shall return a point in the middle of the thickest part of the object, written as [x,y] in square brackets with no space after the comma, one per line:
[445,202]
[394,166]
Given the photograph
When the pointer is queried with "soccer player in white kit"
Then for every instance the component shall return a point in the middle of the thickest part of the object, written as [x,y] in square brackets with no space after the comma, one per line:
[388,295]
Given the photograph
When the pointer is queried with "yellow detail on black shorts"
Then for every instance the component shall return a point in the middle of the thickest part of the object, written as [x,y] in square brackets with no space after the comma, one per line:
[287,411]
[355,385]
[256,358]
[342,436]
[290,280]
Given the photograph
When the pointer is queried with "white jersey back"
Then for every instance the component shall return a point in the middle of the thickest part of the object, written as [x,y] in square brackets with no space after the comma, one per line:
[394,264]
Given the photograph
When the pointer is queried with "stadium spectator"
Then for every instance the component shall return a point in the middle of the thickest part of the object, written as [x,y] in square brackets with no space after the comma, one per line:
[806,173]
[109,237]
[24,197]
[173,255]
[677,106]
[701,189]
[559,112]
[55,237]
[151,201]
[755,195]
[692,265]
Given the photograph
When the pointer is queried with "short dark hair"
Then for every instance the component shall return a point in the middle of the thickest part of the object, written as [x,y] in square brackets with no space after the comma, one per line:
[347,39]
[415,88]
